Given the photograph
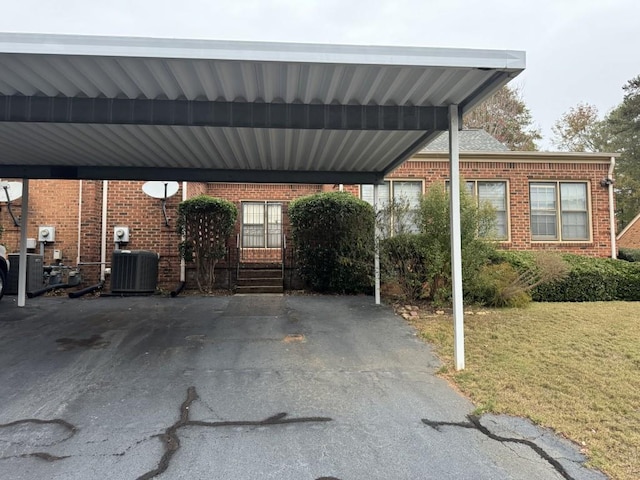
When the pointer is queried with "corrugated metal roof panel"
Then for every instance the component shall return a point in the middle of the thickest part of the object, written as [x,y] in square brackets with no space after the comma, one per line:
[141,68]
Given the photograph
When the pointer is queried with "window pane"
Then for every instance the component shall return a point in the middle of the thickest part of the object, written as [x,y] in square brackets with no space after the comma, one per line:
[366,193]
[494,193]
[543,196]
[573,196]
[500,228]
[543,226]
[574,226]
[406,194]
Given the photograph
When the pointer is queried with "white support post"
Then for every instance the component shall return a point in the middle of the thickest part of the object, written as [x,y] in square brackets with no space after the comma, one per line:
[376,248]
[103,240]
[22,261]
[456,248]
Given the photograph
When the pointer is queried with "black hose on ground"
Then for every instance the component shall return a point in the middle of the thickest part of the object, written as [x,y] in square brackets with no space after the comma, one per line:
[37,293]
[84,291]
[178,289]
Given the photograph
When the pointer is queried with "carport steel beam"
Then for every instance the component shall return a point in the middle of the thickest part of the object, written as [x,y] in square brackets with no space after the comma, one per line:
[237,114]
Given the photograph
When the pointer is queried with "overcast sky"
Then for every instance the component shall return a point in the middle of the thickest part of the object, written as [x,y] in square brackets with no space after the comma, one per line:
[577,50]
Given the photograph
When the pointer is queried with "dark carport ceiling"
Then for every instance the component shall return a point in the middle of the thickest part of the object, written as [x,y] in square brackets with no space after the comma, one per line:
[140,108]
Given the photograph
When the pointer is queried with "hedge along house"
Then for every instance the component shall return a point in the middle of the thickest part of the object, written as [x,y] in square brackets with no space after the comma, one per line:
[78,107]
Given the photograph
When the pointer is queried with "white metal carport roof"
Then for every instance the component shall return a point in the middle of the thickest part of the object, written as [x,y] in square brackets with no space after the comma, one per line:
[141,108]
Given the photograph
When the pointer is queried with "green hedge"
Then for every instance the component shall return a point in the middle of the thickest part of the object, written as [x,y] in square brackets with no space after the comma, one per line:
[629,254]
[589,280]
[333,234]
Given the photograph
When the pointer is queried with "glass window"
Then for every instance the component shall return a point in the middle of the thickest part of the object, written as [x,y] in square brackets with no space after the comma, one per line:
[398,202]
[493,192]
[261,225]
[559,211]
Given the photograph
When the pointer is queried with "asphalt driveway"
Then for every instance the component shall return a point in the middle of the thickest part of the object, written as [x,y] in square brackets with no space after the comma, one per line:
[243,387]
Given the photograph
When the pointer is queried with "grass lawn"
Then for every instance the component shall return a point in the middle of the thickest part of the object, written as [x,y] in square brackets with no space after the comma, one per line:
[574,367]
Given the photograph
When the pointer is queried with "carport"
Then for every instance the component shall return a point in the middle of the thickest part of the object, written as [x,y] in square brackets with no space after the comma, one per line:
[83,107]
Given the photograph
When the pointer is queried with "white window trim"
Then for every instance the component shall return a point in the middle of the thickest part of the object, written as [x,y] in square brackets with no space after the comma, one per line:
[392,191]
[559,240]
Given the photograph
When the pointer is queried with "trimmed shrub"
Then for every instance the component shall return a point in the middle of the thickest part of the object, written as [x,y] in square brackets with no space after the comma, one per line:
[589,279]
[333,233]
[629,254]
[206,223]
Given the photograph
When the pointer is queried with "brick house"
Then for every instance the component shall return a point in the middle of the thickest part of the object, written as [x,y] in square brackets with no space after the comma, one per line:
[550,201]
[629,237]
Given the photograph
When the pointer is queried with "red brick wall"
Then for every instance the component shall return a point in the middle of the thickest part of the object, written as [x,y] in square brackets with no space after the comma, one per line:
[55,203]
[519,174]
[630,236]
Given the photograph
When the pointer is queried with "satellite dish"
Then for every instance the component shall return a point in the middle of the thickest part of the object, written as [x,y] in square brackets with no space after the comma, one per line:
[161,190]
[11,189]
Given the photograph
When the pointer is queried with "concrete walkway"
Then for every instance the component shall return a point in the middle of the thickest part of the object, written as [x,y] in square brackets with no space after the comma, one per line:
[244,387]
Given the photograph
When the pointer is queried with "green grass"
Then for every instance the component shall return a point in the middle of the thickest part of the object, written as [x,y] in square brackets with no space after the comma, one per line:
[573,367]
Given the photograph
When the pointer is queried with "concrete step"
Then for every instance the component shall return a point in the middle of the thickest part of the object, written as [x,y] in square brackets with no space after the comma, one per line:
[260,273]
[270,282]
[260,289]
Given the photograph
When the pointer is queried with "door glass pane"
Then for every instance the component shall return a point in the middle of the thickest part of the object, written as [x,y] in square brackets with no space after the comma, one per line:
[274,225]
[253,225]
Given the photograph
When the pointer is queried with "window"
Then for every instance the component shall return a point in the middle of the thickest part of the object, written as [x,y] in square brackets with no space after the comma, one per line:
[398,200]
[493,192]
[559,211]
[261,224]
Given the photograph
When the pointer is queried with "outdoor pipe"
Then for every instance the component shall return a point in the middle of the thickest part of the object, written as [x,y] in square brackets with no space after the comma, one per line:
[84,291]
[176,291]
[48,288]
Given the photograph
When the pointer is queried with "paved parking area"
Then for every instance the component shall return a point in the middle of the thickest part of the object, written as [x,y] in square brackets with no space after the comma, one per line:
[243,387]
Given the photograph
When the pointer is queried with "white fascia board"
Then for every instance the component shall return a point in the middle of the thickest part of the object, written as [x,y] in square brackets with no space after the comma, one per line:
[112,46]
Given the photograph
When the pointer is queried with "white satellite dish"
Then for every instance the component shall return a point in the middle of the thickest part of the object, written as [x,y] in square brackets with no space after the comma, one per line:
[161,190]
[11,189]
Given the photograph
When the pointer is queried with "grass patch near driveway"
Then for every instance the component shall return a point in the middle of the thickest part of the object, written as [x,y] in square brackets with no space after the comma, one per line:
[573,367]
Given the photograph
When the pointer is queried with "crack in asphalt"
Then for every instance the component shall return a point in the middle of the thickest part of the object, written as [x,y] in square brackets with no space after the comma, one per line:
[72,429]
[474,424]
[171,440]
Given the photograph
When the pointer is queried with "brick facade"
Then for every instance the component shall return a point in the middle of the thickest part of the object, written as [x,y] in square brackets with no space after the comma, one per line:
[630,236]
[56,203]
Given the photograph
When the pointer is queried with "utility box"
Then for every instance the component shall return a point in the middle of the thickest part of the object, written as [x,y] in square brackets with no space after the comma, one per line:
[35,273]
[120,234]
[134,271]
[47,234]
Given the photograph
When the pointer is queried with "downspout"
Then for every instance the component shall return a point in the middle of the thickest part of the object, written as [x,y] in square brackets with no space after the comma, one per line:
[103,246]
[612,213]
[183,276]
[79,222]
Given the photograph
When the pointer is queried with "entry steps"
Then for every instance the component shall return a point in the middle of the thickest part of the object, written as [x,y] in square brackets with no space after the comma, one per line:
[257,278]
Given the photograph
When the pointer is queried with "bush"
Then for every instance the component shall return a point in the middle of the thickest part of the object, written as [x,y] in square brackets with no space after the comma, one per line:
[434,221]
[206,224]
[333,234]
[589,279]
[403,260]
[499,285]
[629,254]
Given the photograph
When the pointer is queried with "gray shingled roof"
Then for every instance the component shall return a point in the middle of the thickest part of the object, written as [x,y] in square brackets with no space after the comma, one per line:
[470,141]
